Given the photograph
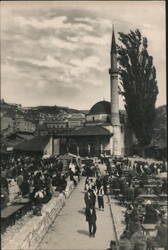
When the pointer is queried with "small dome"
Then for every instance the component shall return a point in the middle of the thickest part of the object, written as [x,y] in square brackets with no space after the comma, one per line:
[102,107]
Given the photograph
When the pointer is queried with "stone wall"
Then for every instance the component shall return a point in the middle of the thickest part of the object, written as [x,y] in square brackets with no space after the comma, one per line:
[117,213]
[32,233]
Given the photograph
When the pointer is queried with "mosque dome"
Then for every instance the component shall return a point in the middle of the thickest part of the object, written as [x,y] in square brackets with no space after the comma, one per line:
[102,107]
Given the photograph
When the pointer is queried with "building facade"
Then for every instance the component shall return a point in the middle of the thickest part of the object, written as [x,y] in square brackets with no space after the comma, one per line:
[23,125]
[52,124]
[6,122]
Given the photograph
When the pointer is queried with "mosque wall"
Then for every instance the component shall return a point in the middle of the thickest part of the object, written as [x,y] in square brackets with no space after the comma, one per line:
[48,150]
[56,146]
[87,146]
[97,117]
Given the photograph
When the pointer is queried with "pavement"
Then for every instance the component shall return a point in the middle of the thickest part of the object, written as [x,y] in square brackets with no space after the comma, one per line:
[70,229]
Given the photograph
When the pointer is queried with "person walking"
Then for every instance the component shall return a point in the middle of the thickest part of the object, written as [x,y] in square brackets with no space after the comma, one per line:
[91,218]
[100,194]
[86,184]
[90,198]
[91,184]
[98,182]
[105,184]
[71,174]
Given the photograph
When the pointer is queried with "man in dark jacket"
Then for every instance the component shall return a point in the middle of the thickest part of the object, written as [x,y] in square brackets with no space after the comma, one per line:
[90,198]
[98,182]
[91,217]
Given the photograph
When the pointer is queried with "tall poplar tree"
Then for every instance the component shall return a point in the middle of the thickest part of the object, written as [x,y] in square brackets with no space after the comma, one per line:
[138,84]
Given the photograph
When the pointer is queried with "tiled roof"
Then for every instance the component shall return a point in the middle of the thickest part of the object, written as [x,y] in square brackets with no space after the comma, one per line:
[91,130]
[36,144]
[84,131]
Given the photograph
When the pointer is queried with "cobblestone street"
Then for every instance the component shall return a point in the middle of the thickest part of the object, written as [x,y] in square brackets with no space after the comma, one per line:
[70,229]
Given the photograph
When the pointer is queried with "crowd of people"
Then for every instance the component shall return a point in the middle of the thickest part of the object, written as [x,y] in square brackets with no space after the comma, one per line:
[121,176]
[36,178]
[139,211]
[126,181]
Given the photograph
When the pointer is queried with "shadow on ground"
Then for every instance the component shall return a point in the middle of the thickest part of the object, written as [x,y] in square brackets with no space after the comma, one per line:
[81,211]
[61,215]
[83,232]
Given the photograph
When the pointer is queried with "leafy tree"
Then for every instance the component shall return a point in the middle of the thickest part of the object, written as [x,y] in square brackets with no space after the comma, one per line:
[138,84]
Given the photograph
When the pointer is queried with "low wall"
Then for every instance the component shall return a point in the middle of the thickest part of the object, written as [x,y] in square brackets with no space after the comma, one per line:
[117,213]
[33,232]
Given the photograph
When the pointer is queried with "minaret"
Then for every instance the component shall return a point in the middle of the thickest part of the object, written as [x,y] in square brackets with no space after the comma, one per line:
[113,71]
[115,120]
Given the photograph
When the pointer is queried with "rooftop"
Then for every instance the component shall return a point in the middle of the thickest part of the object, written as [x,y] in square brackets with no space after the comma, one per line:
[36,144]
[94,130]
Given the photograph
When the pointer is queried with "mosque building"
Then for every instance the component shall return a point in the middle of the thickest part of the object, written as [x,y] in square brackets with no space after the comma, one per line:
[104,128]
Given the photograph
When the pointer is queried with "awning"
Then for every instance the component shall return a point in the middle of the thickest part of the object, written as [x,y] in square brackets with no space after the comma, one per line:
[67,156]
[37,144]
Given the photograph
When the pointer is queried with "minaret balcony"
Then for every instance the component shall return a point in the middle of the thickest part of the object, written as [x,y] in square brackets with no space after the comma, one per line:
[113,71]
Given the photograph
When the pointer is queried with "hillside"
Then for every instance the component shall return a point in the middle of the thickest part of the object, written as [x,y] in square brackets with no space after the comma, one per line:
[56,109]
[11,110]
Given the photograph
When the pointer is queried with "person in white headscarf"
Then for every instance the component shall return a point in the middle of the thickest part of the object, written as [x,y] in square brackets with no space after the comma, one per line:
[100,194]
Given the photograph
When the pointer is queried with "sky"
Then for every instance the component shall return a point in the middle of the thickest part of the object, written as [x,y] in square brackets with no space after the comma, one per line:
[58,53]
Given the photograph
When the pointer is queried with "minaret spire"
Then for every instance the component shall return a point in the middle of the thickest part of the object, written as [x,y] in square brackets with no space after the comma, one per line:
[115,120]
[113,53]
[113,43]
[113,71]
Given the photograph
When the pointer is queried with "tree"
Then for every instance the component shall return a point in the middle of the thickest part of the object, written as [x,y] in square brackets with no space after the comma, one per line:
[138,84]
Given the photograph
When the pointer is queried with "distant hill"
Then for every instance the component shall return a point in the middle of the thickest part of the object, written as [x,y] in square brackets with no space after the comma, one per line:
[55,109]
[13,109]
[59,109]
